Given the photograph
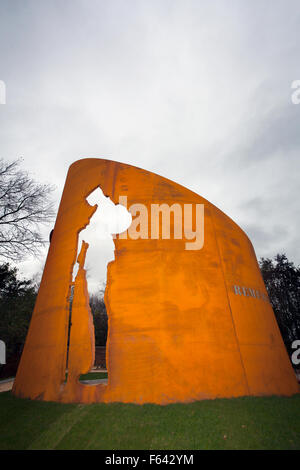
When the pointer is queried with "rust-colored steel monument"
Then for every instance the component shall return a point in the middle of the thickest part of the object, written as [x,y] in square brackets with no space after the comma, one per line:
[184,324]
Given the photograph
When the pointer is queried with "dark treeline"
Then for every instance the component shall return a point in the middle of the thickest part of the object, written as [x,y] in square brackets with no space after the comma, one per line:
[98,310]
[17,299]
[282,280]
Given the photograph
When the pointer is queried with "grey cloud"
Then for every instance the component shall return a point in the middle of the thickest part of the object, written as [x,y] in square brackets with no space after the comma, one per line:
[277,133]
[198,92]
[266,239]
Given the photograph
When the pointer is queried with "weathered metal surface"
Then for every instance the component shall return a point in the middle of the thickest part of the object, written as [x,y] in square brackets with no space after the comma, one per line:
[183,325]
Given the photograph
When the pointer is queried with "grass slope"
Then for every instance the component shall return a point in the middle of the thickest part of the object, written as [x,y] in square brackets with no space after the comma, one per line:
[241,423]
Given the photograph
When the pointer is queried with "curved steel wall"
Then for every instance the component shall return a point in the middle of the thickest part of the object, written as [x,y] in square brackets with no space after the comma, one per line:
[183,325]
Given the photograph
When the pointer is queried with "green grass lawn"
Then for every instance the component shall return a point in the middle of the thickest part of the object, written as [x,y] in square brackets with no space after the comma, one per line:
[241,423]
[93,376]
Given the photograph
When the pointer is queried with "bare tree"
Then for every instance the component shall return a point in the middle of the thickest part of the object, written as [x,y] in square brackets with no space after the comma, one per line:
[24,205]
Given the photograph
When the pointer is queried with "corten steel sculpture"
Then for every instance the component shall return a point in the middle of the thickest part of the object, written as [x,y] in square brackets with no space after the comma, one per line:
[184,325]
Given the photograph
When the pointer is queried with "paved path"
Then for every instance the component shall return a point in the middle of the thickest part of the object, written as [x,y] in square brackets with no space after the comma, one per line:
[94,382]
[6,385]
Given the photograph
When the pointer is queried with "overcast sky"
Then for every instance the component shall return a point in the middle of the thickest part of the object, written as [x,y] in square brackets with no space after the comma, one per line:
[196,91]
